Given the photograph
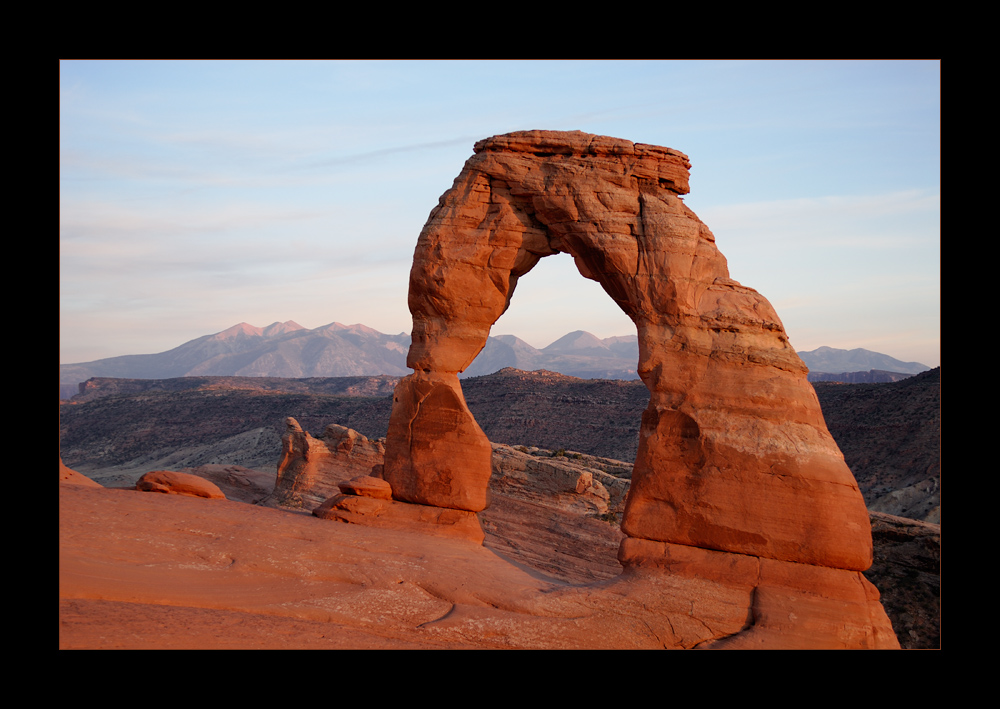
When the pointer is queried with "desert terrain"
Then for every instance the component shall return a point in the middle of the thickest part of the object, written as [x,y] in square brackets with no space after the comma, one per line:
[739,523]
[133,564]
[158,571]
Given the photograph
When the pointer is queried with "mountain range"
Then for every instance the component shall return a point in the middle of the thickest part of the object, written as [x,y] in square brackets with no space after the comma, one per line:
[832,361]
[290,350]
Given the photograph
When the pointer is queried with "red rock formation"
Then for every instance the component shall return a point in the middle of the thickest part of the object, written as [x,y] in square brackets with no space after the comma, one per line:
[448,464]
[368,501]
[310,468]
[734,453]
[172,483]
[563,492]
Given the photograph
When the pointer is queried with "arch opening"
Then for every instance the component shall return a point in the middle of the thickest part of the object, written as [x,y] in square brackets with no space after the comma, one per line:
[550,302]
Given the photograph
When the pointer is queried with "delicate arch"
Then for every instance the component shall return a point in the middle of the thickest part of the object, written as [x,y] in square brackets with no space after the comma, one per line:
[734,453]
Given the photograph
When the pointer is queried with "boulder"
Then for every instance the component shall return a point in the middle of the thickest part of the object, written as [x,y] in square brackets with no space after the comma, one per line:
[173,483]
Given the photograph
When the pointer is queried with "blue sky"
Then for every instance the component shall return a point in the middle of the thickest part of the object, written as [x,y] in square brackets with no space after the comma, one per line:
[197,195]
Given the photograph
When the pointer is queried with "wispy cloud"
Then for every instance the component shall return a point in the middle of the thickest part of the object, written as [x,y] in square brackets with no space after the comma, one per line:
[839,220]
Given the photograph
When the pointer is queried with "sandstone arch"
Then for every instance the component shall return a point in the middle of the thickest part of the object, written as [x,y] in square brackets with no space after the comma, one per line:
[734,454]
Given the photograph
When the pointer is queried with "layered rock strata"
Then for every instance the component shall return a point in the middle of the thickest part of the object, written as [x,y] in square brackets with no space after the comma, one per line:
[734,454]
[310,469]
[570,481]
[551,493]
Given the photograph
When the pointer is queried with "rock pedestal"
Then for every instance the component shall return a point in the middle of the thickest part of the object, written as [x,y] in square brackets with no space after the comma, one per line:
[449,463]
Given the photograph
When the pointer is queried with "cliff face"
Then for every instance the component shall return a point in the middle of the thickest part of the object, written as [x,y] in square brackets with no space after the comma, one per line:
[907,572]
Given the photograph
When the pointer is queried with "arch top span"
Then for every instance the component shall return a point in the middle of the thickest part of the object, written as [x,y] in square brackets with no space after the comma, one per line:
[734,454]
[667,167]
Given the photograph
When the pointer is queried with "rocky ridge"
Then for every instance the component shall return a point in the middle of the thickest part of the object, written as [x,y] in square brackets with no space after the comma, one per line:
[285,350]
[831,360]
[890,435]
[545,506]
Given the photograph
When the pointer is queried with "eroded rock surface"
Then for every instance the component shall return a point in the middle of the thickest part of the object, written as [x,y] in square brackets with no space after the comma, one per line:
[310,468]
[554,511]
[368,501]
[140,571]
[579,484]
[174,483]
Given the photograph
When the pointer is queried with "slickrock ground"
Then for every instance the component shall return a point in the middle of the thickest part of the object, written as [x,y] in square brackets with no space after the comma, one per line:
[145,570]
[140,570]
